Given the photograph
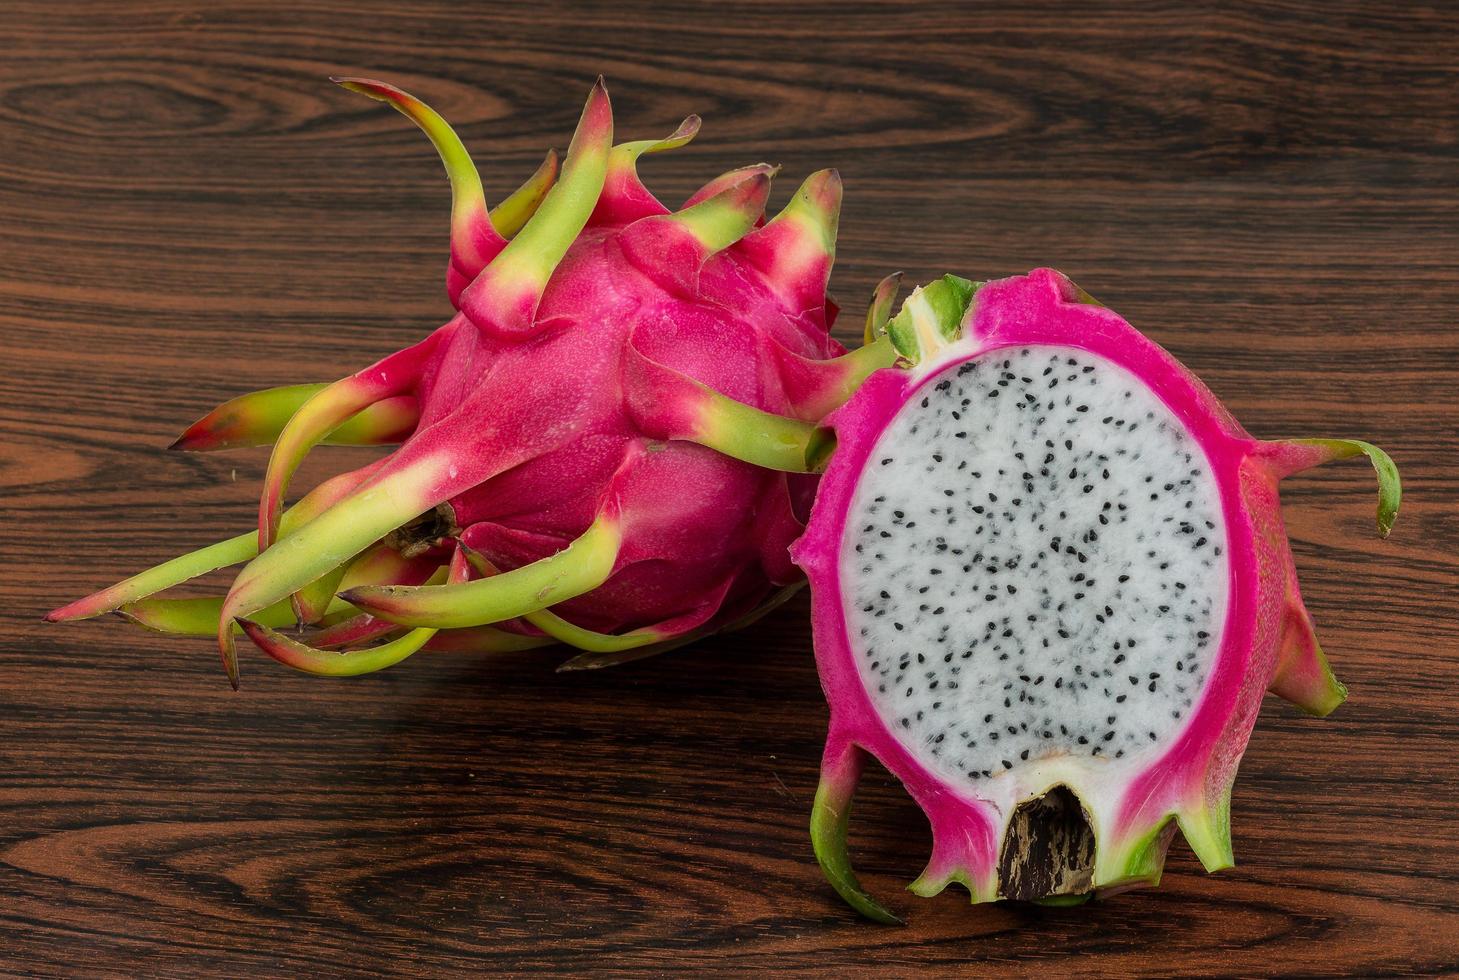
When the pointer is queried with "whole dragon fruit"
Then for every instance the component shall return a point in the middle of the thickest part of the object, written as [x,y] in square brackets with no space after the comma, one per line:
[1050,586]
[611,426]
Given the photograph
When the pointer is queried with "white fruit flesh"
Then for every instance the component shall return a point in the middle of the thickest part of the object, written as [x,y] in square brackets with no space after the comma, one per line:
[1035,567]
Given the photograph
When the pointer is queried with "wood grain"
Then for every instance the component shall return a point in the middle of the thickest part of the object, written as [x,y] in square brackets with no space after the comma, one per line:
[189,210]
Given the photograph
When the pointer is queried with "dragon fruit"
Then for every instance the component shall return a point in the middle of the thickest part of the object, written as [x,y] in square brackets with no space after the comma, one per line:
[1050,577]
[616,424]
[1050,584]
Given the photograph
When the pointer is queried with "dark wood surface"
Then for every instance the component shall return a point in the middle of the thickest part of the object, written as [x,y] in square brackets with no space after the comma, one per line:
[189,210]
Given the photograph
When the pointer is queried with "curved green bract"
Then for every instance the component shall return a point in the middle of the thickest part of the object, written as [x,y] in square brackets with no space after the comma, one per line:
[584,639]
[858,365]
[510,215]
[561,630]
[595,660]
[598,659]
[622,168]
[726,217]
[175,571]
[529,258]
[582,566]
[195,617]
[729,179]
[879,310]
[252,419]
[1390,487]
[830,818]
[240,548]
[814,211]
[348,663]
[468,200]
[625,156]
[258,417]
[747,433]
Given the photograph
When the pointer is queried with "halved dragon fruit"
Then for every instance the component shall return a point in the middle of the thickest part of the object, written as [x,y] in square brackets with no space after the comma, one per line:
[1050,587]
[610,427]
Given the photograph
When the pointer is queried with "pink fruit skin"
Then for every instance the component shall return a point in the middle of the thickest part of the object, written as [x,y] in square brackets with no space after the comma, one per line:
[1192,779]
[535,429]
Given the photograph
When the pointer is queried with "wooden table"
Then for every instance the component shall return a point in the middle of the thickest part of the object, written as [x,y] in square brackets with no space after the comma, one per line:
[189,210]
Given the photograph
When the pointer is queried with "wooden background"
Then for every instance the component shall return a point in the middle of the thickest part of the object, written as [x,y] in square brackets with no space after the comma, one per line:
[189,210]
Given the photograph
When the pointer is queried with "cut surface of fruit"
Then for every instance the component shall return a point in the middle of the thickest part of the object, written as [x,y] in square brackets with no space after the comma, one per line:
[1044,522]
